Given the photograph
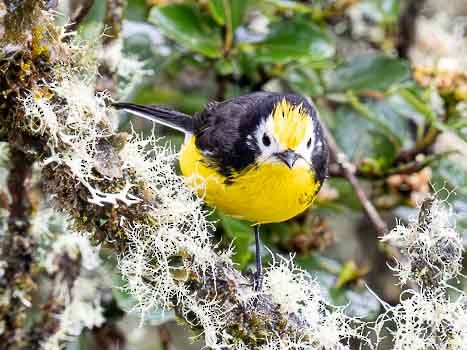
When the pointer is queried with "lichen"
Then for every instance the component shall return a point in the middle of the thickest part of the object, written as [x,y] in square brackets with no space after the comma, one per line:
[434,315]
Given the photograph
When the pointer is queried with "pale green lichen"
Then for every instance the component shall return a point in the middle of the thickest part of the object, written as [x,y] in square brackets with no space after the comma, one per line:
[434,316]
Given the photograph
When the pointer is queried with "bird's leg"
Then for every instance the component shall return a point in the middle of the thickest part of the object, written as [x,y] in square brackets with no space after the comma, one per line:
[258,280]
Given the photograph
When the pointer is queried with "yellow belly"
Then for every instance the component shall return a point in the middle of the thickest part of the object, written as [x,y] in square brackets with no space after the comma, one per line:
[269,192]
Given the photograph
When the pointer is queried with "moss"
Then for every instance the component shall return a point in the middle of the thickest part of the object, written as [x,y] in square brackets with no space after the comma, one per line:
[103,221]
[20,73]
[38,47]
[20,17]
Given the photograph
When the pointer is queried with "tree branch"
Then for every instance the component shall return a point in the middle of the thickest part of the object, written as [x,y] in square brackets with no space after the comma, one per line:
[80,12]
[347,170]
[19,19]
[421,147]
[113,20]
[407,23]
[401,169]
[17,282]
[112,28]
[223,284]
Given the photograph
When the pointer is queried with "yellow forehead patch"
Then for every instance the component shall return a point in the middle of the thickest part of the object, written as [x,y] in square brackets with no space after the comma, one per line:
[289,124]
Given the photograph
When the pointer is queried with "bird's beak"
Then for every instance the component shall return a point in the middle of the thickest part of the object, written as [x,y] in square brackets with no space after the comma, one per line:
[289,157]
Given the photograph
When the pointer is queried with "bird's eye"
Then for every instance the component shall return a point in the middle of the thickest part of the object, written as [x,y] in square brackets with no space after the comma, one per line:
[308,144]
[266,140]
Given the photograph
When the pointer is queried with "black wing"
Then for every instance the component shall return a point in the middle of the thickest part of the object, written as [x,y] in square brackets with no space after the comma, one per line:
[165,116]
[221,130]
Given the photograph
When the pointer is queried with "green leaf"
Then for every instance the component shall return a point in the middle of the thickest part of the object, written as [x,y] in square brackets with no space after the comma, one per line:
[368,72]
[460,211]
[315,261]
[296,6]
[216,7]
[136,10]
[363,142]
[389,119]
[228,12]
[237,12]
[391,10]
[225,66]
[190,28]
[397,124]
[347,197]
[451,174]
[378,119]
[241,232]
[297,39]
[359,301]
[407,111]
[350,272]
[417,103]
[304,80]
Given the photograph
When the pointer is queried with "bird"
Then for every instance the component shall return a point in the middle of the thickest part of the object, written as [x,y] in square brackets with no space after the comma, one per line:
[260,157]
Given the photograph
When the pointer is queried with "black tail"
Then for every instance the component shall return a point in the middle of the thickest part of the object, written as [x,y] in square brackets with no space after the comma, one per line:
[161,115]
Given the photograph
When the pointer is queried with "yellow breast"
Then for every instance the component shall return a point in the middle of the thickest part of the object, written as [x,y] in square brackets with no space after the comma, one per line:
[268,192]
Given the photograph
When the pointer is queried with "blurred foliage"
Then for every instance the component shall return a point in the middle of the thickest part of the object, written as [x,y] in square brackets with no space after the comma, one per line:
[344,55]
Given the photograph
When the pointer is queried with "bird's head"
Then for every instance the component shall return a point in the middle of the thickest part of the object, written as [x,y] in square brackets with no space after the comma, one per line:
[289,133]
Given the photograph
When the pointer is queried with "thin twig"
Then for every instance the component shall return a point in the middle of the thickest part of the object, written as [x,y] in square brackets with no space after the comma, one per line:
[348,171]
[79,14]
[417,165]
[113,20]
[372,117]
[407,23]
[401,169]
[112,28]
[421,147]
[18,20]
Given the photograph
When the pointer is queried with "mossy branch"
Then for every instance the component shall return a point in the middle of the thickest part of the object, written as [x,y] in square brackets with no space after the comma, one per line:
[113,20]
[120,216]
[17,282]
[19,19]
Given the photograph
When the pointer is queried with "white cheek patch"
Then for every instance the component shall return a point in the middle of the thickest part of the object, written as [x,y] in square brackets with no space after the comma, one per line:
[268,152]
[273,148]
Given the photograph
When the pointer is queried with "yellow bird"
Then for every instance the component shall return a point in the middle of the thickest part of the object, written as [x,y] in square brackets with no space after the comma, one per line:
[260,157]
